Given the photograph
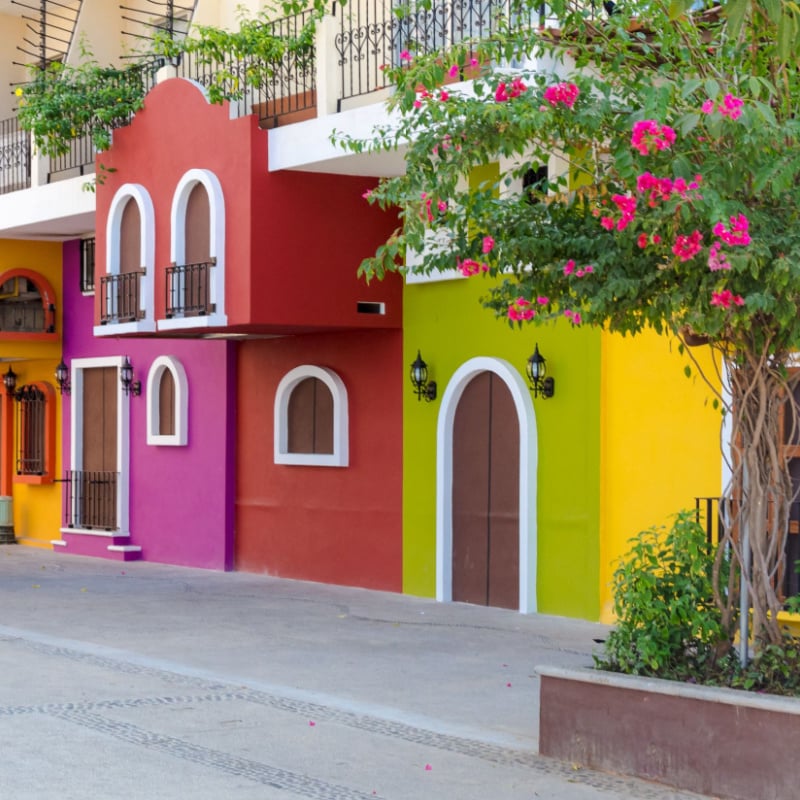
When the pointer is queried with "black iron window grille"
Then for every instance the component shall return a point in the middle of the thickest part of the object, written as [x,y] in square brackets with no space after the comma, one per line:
[15,157]
[119,300]
[90,499]
[87,266]
[189,289]
[30,431]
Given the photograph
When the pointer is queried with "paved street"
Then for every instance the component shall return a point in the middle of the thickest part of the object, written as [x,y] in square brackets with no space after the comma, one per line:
[145,681]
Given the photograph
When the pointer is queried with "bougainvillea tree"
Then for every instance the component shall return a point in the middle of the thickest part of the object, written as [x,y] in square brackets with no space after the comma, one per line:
[671,201]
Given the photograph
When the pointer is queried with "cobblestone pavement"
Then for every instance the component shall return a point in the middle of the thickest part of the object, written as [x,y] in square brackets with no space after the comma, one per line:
[145,681]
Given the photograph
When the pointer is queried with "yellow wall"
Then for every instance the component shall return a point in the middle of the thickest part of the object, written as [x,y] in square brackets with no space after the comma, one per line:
[37,509]
[660,441]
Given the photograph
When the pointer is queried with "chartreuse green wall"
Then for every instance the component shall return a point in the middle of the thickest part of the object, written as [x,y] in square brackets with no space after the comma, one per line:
[37,508]
[447,323]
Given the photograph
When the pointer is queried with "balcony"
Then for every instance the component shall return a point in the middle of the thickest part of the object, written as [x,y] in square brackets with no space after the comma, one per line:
[90,500]
[189,290]
[120,298]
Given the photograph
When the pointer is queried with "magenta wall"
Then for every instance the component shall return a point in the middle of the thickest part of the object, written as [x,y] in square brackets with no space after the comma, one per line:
[181,506]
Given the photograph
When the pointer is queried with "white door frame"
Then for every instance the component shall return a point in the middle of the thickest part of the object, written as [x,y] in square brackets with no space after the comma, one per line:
[528,458]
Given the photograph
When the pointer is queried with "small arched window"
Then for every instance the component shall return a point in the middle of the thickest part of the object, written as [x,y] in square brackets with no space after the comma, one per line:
[126,288]
[167,403]
[311,424]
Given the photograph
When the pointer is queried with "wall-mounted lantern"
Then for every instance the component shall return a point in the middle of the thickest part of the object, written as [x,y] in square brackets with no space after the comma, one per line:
[62,377]
[129,385]
[10,382]
[536,371]
[419,379]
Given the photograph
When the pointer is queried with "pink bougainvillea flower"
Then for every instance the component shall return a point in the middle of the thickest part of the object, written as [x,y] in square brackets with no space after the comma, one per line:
[501,93]
[731,106]
[473,62]
[573,316]
[642,240]
[627,206]
[565,93]
[488,244]
[569,267]
[686,247]
[542,301]
[648,136]
[517,87]
[453,71]
[716,259]
[737,234]
[442,206]
[708,107]
[607,223]
[367,194]
[469,267]
[444,96]
[726,298]
[521,310]
[405,55]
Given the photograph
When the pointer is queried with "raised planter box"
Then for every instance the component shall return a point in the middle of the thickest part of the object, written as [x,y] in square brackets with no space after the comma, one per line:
[721,742]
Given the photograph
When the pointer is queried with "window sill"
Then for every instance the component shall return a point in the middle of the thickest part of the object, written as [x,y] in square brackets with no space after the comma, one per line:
[33,480]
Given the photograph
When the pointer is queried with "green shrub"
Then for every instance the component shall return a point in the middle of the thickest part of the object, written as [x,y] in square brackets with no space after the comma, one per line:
[668,624]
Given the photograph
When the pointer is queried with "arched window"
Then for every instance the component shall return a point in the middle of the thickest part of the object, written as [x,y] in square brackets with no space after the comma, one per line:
[167,402]
[311,416]
[27,304]
[195,280]
[126,290]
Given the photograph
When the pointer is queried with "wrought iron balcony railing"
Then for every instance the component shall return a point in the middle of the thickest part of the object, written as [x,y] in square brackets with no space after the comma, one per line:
[15,156]
[270,90]
[90,499]
[189,290]
[120,298]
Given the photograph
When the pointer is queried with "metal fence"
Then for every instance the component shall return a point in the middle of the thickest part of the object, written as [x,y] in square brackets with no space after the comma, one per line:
[188,289]
[374,33]
[120,295]
[714,513]
[271,91]
[90,499]
[15,156]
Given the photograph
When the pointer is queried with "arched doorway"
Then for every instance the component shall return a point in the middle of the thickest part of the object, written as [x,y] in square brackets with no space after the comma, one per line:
[486,488]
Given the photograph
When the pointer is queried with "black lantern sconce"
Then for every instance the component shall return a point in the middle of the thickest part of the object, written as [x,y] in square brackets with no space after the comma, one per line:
[536,371]
[129,385]
[62,377]
[419,379]
[10,382]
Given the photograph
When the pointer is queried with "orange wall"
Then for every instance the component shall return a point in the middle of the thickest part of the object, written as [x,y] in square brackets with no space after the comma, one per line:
[330,524]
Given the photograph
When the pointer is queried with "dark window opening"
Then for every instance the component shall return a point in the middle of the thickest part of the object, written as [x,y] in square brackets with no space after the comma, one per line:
[87,266]
[30,425]
[310,418]
[534,184]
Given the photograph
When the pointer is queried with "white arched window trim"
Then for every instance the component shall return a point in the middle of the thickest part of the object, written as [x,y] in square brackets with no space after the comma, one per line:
[132,192]
[216,204]
[528,456]
[181,436]
[340,456]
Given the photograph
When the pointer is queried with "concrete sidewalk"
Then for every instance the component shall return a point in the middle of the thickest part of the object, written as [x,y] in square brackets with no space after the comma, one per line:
[145,681]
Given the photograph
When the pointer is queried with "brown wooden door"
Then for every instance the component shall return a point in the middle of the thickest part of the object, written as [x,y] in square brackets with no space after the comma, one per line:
[98,477]
[486,495]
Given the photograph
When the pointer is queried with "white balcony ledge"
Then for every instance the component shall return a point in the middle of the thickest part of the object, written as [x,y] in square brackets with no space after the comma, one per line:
[60,210]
